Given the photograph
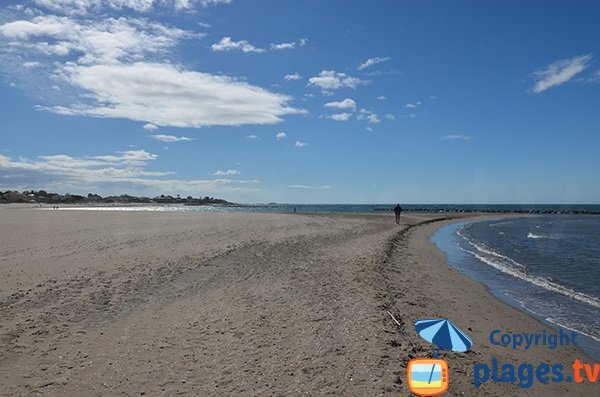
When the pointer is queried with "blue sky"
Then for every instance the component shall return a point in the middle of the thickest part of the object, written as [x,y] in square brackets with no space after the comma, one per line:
[306,102]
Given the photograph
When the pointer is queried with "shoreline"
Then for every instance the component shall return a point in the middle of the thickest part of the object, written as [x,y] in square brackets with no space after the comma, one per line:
[237,304]
[589,347]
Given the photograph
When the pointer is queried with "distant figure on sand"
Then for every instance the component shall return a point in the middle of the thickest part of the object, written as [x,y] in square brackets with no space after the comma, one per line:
[397,212]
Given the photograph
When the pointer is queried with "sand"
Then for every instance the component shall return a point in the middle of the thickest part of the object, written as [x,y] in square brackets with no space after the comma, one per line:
[238,304]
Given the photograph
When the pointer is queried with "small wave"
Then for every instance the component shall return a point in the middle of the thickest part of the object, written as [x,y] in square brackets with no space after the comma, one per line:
[486,250]
[536,280]
[533,235]
[499,224]
[551,320]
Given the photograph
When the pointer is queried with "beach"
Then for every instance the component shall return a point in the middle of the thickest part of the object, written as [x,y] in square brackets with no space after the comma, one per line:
[102,303]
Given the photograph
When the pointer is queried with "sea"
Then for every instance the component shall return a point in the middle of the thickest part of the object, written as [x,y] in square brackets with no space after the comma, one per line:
[547,265]
[353,208]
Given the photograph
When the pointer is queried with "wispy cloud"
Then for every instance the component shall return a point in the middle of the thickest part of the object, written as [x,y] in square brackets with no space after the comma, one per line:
[288,45]
[84,6]
[280,135]
[150,127]
[382,97]
[226,173]
[340,116]
[170,138]
[106,40]
[372,61]
[390,116]
[122,172]
[560,72]
[413,105]
[226,44]
[32,65]
[369,116]
[72,7]
[252,136]
[283,46]
[347,103]
[292,77]
[373,118]
[102,69]
[322,187]
[455,138]
[332,80]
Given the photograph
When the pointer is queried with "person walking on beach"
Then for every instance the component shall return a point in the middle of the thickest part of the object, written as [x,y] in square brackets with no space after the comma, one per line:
[397,212]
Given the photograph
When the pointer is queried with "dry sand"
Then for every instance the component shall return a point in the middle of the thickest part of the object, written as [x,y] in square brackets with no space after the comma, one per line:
[237,304]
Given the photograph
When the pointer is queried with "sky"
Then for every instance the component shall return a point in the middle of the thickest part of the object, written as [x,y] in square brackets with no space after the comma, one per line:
[303,101]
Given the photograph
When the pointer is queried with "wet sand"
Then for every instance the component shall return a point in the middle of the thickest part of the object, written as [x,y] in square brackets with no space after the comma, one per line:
[215,304]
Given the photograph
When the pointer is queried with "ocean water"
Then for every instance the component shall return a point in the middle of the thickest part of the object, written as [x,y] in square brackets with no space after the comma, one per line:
[354,208]
[548,266]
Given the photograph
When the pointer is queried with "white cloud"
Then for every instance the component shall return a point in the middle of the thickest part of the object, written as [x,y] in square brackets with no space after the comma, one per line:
[301,144]
[372,61]
[31,65]
[382,97]
[73,7]
[226,44]
[364,114]
[130,157]
[170,138]
[340,116]
[293,76]
[373,118]
[560,72]
[390,116]
[369,129]
[456,137]
[84,6]
[280,135]
[345,104]
[108,41]
[150,127]
[413,105]
[111,67]
[332,80]
[123,172]
[165,95]
[289,45]
[252,136]
[322,187]
[208,3]
[283,46]
[227,173]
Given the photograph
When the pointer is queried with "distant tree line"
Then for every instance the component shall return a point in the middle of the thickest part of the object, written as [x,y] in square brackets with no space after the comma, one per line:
[41,196]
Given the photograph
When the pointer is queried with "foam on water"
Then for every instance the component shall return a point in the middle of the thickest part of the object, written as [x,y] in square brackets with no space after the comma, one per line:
[535,280]
[554,275]
[533,235]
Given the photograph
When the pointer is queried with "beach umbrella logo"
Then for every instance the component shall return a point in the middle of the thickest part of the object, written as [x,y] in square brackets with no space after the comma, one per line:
[430,376]
[442,333]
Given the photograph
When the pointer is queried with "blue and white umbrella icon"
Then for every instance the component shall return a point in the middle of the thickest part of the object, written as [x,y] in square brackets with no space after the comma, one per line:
[444,334]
